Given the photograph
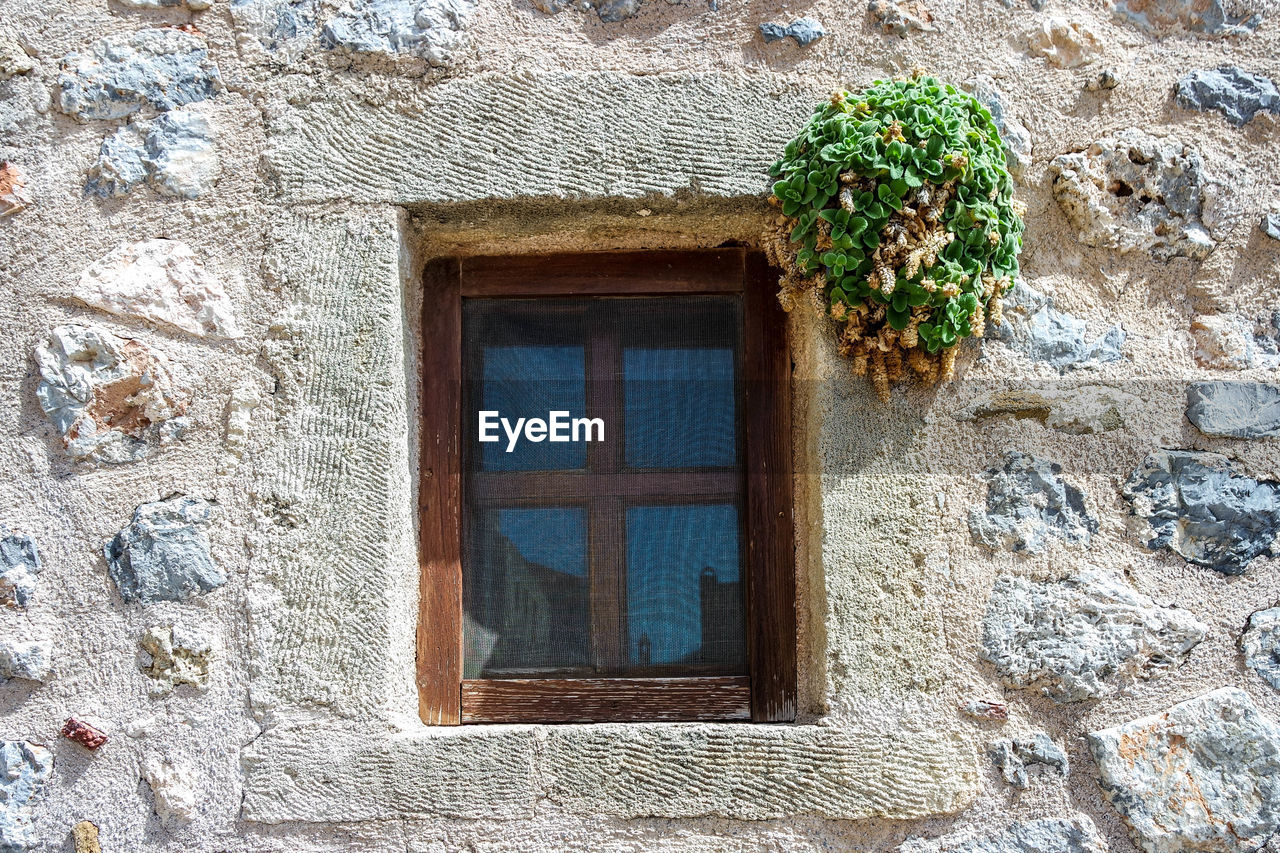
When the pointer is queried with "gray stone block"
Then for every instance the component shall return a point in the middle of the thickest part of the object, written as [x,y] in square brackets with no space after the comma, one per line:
[1200,508]
[1270,225]
[1235,93]
[1032,325]
[1235,409]
[19,564]
[1028,503]
[431,29]
[1077,638]
[282,27]
[1013,755]
[176,154]
[1205,17]
[24,770]
[804,31]
[1202,776]
[116,77]
[1261,644]
[163,555]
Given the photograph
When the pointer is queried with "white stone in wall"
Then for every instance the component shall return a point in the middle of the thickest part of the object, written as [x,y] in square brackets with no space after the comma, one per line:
[1221,341]
[282,27]
[174,789]
[1201,776]
[19,565]
[31,661]
[176,655]
[1077,638]
[175,153]
[112,400]
[1261,644]
[162,281]
[1135,192]
[25,768]
[434,30]
[1064,43]
[13,59]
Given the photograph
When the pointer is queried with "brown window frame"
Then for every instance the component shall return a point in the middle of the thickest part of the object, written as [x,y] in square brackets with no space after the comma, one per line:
[768,692]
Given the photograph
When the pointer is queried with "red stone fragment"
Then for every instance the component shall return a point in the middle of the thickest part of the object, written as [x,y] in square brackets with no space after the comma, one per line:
[83,734]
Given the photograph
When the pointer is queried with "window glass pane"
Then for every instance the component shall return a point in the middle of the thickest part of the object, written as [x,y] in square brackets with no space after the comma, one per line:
[531,382]
[684,592]
[526,593]
[679,407]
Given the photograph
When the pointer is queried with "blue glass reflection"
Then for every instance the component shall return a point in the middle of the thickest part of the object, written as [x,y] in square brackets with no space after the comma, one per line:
[679,406]
[530,382]
[554,537]
[684,599]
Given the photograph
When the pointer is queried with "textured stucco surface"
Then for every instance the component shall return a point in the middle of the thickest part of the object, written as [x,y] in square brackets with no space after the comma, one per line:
[339,174]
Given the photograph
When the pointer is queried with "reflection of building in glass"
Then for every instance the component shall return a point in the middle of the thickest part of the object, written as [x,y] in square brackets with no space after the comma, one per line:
[536,617]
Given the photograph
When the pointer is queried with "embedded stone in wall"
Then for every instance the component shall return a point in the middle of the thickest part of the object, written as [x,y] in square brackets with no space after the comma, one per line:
[30,661]
[1012,756]
[1270,225]
[1134,192]
[1076,639]
[612,11]
[1207,17]
[1235,93]
[1197,506]
[1063,43]
[1261,644]
[84,836]
[19,564]
[1047,835]
[1028,503]
[193,5]
[1199,776]
[1013,134]
[1235,409]
[87,735]
[1221,342]
[25,768]
[902,18]
[159,280]
[13,59]
[804,31]
[115,77]
[177,655]
[1032,325]
[985,709]
[120,164]
[282,27]
[173,789]
[112,400]
[13,190]
[239,416]
[163,555]
[176,153]
[1085,410]
[431,29]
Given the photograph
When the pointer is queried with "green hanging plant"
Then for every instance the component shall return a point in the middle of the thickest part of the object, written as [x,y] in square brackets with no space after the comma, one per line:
[898,220]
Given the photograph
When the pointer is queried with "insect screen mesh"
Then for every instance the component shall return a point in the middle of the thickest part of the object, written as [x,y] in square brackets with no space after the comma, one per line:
[608,540]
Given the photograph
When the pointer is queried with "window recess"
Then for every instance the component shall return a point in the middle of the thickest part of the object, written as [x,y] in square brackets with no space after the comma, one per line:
[630,558]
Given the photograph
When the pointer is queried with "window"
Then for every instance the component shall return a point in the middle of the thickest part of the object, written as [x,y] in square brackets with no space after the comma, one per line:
[606,503]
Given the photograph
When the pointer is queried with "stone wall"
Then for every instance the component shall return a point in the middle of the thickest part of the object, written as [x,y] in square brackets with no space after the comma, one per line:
[1040,606]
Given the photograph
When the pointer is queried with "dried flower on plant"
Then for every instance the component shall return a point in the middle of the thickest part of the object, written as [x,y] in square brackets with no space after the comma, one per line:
[899,222]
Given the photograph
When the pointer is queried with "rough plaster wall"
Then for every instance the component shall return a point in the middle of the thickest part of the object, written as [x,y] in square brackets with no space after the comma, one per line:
[305,737]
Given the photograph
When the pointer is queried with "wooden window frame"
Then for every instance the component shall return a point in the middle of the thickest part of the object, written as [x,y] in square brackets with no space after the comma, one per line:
[768,692]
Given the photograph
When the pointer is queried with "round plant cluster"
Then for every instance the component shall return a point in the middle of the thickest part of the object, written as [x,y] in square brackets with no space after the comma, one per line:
[899,222]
